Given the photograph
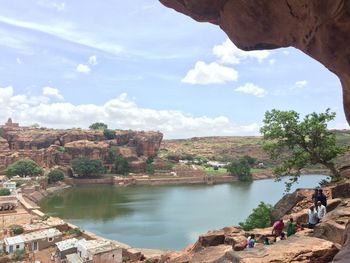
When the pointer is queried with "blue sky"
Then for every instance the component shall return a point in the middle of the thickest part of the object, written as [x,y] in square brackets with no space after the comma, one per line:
[139,65]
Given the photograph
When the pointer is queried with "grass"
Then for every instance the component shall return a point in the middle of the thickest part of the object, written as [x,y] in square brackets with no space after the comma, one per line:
[211,171]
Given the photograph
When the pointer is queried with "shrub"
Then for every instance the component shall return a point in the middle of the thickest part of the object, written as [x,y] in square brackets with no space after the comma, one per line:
[98,126]
[109,134]
[55,175]
[25,167]
[85,167]
[16,229]
[121,165]
[18,255]
[259,218]
[4,191]
[75,232]
[61,149]
[150,168]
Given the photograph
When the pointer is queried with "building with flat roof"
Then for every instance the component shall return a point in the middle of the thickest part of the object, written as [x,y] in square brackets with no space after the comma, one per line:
[13,244]
[66,247]
[42,239]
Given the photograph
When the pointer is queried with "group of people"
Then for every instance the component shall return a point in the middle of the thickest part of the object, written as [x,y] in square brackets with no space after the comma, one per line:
[318,210]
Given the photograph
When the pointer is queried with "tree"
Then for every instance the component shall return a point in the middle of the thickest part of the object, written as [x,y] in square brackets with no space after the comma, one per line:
[121,165]
[109,134]
[55,175]
[241,169]
[259,218]
[17,229]
[85,167]
[4,191]
[250,159]
[295,144]
[25,167]
[98,126]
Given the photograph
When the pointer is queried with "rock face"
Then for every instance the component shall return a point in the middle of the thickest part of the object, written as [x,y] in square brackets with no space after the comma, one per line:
[49,147]
[320,29]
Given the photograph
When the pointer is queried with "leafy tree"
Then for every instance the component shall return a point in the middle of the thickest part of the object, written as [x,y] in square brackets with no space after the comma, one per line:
[296,143]
[4,191]
[98,126]
[17,229]
[259,218]
[18,255]
[250,159]
[150,168]
[241,169]
[111,155]
[25,167]
[121,165]
[109,134]
[85,167]
[55,175]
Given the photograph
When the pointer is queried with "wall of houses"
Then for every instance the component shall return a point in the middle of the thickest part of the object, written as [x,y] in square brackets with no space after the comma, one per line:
[113,256]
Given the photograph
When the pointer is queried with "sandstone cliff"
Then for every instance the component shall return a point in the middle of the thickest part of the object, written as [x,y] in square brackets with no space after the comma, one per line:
[51,147]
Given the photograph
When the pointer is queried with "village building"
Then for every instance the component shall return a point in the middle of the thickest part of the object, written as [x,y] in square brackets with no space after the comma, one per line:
[40,240]
[13,244]
[10,185]
[8,203]
[66,247]
[98,251]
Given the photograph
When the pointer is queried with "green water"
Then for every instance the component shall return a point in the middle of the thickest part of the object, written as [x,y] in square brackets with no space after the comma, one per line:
[168,217]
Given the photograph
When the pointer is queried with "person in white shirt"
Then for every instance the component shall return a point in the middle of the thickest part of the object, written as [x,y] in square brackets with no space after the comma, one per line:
[313,219]
[321,210]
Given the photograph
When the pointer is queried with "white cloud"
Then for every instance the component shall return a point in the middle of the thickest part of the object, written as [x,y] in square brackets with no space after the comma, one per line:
[300,84]
[83,68]
[66,31]
[19,61]
[59,6]
[212,73]
[93,60]
[52,93]
[228,53]
[272,61]
[250,88]
[120,112]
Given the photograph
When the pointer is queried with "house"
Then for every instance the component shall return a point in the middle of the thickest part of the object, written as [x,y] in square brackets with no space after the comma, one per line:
[39,240]
[66,247]
[13,244]
[98,251]
[10,185]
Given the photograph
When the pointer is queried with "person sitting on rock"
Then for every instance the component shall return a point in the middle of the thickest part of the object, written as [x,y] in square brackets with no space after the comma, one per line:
[321,210]
[291,227]
[277,228]
[315,196]
[283,236]
[266,241]
[322,197]
[251,241]
[312,217]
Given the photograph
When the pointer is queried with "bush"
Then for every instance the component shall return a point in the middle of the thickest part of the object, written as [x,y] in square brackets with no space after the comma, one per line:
[18,255]
[109,134]
[16,229]
[25,167]
[85,167]
[241,169]
[150,168]
[4,191]
[121,165]
[55,175]
[61,149]
[98,126]
[259,218]
[249,159]
[75,232]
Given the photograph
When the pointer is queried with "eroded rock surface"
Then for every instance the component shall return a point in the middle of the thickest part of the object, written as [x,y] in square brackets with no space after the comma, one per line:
[320,29]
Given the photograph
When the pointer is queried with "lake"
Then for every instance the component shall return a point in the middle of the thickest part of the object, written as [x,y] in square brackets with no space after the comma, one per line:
[165,217]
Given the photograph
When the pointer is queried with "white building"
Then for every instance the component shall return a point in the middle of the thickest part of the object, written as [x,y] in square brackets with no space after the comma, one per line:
[13,243]
[10,185]
[98,251]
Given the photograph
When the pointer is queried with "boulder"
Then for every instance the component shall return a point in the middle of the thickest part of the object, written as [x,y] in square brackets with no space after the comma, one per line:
[344,254]
[341,190]
[286,204]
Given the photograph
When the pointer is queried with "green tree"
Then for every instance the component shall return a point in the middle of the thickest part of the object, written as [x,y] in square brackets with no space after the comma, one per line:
[109,134]
[85,167]
[4,191]
[259,218]
[121,165]
[250,159]
[17,229]
[55,175]
[296,143]
[25,167]
[241,169]
[98,126]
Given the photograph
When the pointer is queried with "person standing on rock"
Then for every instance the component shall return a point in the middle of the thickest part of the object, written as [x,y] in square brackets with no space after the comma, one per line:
[322,197]
[277,228]
[312,217]
[251,241]
[321,210]
[291,227]
[315,197]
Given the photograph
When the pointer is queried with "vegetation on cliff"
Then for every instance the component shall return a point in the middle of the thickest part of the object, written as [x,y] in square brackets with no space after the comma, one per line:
[259,218]
[296,143]
[55,175]
[121,165]
[25,167]
[85,167]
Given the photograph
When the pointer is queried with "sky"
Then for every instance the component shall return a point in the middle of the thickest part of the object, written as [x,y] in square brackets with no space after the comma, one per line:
[139,65]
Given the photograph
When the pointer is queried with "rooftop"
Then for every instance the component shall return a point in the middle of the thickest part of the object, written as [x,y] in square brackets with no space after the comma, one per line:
[13,240]
[47,233]
[97,246]
[67,244]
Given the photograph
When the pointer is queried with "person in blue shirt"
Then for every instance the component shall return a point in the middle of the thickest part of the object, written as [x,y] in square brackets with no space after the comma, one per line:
[251,241]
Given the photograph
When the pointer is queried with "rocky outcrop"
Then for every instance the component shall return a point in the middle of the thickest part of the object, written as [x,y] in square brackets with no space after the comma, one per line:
[320,29]
[51,147]
[344,254]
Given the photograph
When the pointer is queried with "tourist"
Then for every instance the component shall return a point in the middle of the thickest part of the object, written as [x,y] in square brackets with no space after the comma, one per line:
[277,228]
[251,241]
[315,196]
[283,236]
[312,217]
[266,241]
[321,210]
[291,227]
[322,197]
